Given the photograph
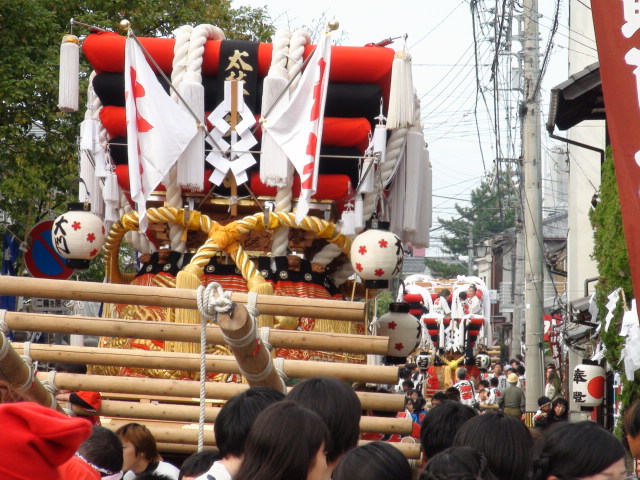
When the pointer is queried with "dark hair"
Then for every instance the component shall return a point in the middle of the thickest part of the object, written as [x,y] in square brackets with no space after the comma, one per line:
[508,458]
[445,292]
[152,476]
[519,357]
[440,396]
[415,390]
[283,443]
[339,407]
[461,463]
[473,285]
[408,383]
[411,366]
[579,449]
[441,423]
[373,461]
[103,450]
[484,383]
[198,463]
[141,439]
[631,424]
[520,369]
[452,393]
[236,417]
[494,381]
[70,368]
[565,414]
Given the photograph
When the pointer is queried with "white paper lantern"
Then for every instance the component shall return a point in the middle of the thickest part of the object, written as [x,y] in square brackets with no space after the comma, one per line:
[376,255]
[483,360]
[588,385]
[402,328]
[78,235]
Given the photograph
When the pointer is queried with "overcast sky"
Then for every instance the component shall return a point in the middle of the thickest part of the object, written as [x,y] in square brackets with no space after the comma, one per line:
[441,44]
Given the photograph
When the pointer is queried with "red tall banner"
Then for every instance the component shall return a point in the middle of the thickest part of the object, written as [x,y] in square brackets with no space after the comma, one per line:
[617,28]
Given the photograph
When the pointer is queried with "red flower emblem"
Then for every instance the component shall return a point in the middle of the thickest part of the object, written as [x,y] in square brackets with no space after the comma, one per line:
[379,272]
[91,237]
[383,243]
[76,225]
[362,250]
[392,325]
[399,346]
[359,267]
[93,252]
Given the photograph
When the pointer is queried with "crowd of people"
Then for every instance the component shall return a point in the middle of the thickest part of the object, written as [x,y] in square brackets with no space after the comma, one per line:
[312,433]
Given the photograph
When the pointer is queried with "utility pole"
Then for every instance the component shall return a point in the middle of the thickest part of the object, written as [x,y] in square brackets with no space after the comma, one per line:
[517,283]
[532,208]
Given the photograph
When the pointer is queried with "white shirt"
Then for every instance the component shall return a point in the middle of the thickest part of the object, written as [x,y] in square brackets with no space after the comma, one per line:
[441,307]
[217,472]
[163,468]
[467,392]
[474,305]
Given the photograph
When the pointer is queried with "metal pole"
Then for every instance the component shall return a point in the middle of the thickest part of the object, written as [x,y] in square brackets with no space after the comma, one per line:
[532,207]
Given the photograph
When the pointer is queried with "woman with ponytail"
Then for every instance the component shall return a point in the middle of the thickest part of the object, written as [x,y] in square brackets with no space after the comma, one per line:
[582,450]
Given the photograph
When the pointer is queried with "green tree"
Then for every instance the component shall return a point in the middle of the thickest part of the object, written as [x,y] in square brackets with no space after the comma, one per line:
[491,210]
[38,157]
[445,270]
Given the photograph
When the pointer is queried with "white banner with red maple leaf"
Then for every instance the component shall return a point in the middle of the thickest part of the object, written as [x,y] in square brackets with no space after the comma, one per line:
[158,129]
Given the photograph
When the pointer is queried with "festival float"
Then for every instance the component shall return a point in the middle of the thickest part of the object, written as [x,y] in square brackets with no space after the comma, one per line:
[266,190]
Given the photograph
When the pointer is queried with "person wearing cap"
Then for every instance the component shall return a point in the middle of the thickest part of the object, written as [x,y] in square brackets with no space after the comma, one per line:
[512,401]
[541,417]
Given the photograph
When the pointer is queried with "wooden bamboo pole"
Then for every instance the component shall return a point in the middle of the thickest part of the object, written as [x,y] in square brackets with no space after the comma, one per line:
[188,435]
[254,360]
[115,357]
[15,371]
[176,298]
[328,342]
[190,389]
[190,413]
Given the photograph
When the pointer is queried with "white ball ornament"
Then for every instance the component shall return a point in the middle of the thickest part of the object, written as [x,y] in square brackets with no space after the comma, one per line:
[402,328]
[377,255]
[78,235]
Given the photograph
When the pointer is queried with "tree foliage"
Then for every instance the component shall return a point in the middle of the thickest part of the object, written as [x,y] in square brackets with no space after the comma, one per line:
[491,210]
[445,270]
[610,253]
[38,158]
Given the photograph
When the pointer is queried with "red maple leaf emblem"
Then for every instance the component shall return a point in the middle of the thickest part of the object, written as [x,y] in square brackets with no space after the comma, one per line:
[392,325]
[91,237]
[359,267]
[379,272]
[93,252]
[362,250]
[138,92]
[76,225]
[383,243]
[399,346]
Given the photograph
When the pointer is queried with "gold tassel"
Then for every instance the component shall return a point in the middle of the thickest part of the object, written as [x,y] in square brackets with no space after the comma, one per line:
[69,82]
[188,278]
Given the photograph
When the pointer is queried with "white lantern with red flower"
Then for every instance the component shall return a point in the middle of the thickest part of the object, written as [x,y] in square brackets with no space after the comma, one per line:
[402,328]
[78,235]
[377,254]
[588,385]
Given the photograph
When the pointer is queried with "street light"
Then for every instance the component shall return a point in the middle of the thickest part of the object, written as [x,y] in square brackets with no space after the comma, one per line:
[482,249]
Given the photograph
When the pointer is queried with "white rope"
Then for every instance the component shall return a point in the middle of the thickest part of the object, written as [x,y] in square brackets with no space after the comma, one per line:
[279,363]
[203,380]
[264,336]
[4,349]
[260,376]
[4,326]
[26,356]
[50,386]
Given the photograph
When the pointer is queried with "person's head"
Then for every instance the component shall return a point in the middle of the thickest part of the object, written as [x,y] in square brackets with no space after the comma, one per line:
[414,394]
[512,378]
[462,296]
[472,290]
[440,425]
[286,442]
[560,408]
[544,403]
[497,369]
[453,394]
[579,450]
[483,384]
[514,363]
[461,463]
[461,373]
[339,407]
[508,458]
[409,405]
[632,428]
[373,461]
[483,394]
[493,381]
[520,370]
[445,293]
[103,451]
[412,367]
[197,464]
[438,398]
[236,417]
[138,447]
[407,386]
[519,357]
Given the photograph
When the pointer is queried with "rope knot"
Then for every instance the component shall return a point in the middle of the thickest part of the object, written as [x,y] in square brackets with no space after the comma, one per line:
[213,300]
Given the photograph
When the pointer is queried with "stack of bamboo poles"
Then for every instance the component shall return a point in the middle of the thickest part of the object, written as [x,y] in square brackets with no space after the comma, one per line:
[173,423]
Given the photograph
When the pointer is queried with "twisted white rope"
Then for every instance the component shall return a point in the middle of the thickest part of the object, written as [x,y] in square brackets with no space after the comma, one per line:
[26,357]
[4,349]
[264,336]
[279,364]
[328,253]
[50,386]
[180,55]
[4,326]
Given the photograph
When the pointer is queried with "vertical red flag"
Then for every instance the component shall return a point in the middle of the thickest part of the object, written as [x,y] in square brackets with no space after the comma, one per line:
[617,29]
[297,129]
[158,130]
